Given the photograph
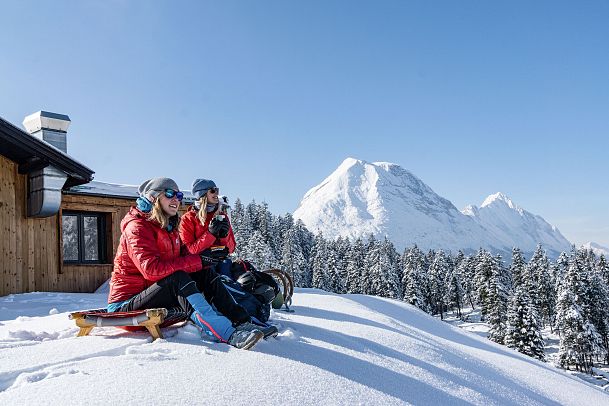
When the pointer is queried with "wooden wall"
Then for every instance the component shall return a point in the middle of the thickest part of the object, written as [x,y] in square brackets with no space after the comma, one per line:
[31,248]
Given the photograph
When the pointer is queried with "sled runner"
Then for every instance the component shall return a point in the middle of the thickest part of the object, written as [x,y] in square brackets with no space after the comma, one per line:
[149,319]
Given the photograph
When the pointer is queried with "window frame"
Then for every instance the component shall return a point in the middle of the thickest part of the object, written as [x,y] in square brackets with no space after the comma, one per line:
[102,254]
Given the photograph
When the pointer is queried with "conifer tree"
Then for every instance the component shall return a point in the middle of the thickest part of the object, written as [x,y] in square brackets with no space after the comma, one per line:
[454,290]
[355,266]
[484,271]
[497,301]
[438,270]
[259,253]
[293,260]
[518,267]
[522,331]
[467,272]
[579,340]
[413,278]
[319,263]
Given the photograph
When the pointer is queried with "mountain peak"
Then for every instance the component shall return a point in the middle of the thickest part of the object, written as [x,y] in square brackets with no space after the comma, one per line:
[596,248]
[500,197]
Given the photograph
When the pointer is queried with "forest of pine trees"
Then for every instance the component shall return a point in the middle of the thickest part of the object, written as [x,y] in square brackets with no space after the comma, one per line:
[569,295]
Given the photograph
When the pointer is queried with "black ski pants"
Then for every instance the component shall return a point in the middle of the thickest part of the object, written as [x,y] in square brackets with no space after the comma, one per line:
[173,290]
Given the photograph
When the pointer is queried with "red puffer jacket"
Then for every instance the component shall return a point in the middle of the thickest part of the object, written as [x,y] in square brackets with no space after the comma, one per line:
[146,254]
[196,236]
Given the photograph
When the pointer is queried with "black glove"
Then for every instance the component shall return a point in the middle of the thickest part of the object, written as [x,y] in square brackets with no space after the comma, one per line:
[224,229]
[212,256]
[219,228]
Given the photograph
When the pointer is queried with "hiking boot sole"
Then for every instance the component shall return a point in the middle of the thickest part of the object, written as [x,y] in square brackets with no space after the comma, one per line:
[252,340]
[272,333]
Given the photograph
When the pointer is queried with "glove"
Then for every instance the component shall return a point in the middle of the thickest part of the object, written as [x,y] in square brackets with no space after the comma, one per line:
[219,228]
[212,256]
[224,229]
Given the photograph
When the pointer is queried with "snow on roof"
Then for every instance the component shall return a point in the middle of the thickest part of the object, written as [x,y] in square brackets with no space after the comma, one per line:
[96,188]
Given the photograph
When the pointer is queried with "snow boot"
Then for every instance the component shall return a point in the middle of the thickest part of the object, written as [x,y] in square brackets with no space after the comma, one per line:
[245,336]
[269,331]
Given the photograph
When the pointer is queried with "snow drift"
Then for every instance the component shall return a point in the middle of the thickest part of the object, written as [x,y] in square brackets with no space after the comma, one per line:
[349,349]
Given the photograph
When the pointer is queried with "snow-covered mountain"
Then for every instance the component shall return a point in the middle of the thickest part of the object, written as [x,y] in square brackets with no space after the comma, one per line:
[334,349]
[512,226]
[596,248]
[360,198]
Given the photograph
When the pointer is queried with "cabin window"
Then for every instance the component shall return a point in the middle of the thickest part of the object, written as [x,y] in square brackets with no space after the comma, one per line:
[84,237]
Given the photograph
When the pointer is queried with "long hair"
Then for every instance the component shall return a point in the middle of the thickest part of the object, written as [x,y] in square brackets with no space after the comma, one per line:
[157,214]
[202,213]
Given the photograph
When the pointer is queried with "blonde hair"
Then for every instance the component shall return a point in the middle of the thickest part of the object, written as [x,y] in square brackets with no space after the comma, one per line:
[157,214]
[202,213]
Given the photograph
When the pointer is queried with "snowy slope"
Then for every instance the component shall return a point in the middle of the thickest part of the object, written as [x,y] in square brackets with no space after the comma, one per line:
[513,226]
[349,349]
[597,248]
[384,199]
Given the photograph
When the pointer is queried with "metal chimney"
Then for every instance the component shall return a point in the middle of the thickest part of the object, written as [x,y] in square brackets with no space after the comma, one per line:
[45,185]
[49,127]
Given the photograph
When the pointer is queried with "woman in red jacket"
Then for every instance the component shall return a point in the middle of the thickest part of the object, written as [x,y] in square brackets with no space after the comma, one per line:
[149,271]
[204,225]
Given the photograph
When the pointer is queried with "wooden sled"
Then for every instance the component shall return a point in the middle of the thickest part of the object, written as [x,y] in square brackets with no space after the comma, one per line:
[146,319]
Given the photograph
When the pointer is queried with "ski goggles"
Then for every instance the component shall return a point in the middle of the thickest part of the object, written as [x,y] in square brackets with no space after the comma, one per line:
[170,194]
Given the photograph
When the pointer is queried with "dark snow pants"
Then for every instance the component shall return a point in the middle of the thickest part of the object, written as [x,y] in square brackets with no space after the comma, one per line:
[173,290]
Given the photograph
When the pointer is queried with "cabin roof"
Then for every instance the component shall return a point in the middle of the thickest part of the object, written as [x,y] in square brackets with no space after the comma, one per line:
[32,154]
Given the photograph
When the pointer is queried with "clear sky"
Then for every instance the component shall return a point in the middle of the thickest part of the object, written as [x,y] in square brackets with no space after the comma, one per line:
[269,97]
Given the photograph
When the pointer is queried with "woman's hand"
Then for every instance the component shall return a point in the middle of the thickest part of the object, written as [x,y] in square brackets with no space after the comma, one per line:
[219,227]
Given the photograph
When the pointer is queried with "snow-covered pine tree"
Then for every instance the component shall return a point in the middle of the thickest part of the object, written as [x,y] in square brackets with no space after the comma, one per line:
[467,272]
[390,271]
[579,340]
[518,267]
[484,271]
[293,260]
[334,264]
[522,331]
[342,246]
[597,296]
[438,271]
[497,300]
[319,263]
[413,278]
[603,268]
[543,285]
[560,270]
[355,265]
[371,267]
[258,252]
[455,293]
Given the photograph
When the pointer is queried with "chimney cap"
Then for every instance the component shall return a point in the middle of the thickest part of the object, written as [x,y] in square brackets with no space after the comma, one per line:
[46,120]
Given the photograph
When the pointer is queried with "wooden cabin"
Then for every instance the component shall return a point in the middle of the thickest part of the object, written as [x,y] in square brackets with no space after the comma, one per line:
[60,230]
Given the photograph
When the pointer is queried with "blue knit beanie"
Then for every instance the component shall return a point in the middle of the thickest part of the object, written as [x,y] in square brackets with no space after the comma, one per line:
[201,186]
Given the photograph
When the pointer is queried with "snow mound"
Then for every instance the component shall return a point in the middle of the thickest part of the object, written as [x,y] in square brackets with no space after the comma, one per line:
[349,349]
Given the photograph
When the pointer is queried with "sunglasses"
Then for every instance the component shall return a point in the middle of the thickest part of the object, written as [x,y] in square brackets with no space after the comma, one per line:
[170,194]
[214,190]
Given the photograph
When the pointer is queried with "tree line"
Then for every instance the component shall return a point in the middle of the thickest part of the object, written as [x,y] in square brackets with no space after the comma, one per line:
[517,300]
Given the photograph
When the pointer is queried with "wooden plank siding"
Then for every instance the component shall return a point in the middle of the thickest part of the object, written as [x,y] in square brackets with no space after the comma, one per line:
[31,249]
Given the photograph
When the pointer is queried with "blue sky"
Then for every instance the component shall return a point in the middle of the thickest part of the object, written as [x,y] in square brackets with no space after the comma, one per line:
[268,98]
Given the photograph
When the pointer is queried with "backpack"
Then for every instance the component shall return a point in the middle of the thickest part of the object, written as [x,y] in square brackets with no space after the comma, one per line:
[252,289]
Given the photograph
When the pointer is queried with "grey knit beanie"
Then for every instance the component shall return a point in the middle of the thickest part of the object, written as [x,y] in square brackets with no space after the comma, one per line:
[201,186]
[151,188]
